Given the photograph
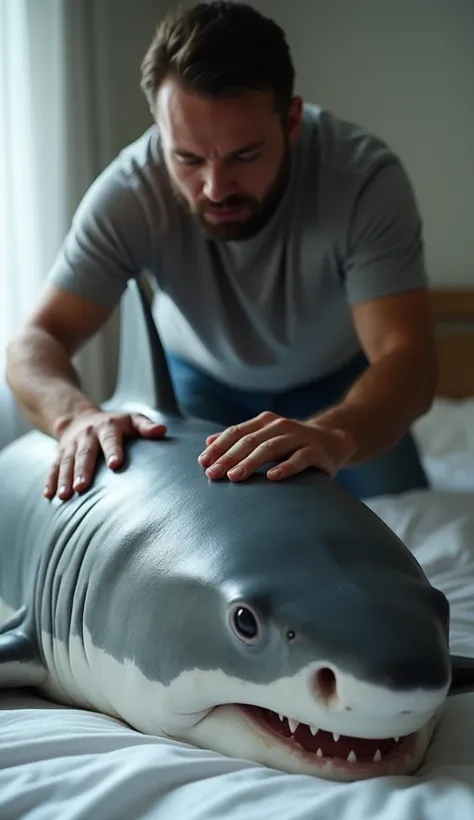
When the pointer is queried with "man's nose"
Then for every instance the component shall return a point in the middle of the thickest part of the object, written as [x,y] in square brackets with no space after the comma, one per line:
[217,184]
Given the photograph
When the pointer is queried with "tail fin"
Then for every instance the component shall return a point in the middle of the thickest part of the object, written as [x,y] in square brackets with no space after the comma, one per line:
[143,379]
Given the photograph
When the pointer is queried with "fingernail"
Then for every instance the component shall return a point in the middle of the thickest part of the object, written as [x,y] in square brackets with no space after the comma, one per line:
[276,473]
[215,471]
[78,480]
[204,459]
[63,489]
[236,472]
[112,460]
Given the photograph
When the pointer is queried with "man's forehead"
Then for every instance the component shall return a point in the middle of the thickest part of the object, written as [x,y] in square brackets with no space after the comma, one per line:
[200,124]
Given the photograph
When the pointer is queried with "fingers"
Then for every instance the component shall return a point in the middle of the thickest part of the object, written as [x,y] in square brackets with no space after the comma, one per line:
[247,456]
[241,450]
[51,483]
[112,430]
[85,461]
[146,427]
[212,438]
[224,441]
[73,469]
[79,447]
[296,463]
[66,473]
[110,436]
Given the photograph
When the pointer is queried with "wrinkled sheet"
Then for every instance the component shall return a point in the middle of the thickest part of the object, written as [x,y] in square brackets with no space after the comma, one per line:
[446,439]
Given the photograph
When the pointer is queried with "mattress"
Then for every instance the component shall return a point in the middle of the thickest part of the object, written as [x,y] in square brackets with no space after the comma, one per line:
[58,762]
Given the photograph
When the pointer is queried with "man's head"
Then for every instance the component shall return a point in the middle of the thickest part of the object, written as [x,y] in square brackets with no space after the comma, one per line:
[219,81]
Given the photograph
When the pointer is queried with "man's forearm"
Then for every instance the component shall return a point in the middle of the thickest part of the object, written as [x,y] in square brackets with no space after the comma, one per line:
[382,404]
[44,381]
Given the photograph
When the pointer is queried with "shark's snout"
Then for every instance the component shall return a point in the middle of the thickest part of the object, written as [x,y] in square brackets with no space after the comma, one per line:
[350,705]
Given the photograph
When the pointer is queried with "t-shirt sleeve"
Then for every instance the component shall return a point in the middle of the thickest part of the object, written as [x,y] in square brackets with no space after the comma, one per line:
[108,242]
[385,252]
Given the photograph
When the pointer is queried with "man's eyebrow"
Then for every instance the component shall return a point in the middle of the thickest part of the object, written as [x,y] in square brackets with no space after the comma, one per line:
[245,149]
[251,146]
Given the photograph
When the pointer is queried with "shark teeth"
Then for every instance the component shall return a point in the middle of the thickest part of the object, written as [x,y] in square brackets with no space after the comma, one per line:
[293,724]
[351,757]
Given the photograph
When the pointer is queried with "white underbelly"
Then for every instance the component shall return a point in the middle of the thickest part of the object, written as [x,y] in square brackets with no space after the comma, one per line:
[71,678]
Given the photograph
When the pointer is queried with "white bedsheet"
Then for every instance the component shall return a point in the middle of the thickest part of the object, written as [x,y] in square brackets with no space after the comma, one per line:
[446,439]
[68,764]
[60,764]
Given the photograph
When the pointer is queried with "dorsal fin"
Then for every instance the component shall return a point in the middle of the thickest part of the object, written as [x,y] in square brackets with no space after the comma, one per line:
[143,378]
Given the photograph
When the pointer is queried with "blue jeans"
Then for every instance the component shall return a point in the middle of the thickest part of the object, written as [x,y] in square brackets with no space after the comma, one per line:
[202,396]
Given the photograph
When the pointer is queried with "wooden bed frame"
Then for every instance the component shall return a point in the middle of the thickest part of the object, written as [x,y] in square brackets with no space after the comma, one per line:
[453,310]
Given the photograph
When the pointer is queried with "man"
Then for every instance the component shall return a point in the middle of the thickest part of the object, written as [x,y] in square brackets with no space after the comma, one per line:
[287,250]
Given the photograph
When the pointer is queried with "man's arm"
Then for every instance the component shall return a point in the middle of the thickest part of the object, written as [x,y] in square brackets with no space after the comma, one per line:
[387,290]
[41,375]
[108,243]
[397,336]
[39,369]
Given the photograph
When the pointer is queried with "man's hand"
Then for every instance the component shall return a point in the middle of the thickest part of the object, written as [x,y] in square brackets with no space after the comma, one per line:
[240,450]
[80,440]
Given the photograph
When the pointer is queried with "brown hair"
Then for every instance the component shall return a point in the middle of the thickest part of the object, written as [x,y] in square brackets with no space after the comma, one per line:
[220,48]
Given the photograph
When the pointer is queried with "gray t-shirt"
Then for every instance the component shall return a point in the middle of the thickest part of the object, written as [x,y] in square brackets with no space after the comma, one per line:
[272,311]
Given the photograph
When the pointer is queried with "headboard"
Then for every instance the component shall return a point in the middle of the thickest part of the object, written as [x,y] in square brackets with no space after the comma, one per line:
[453,310]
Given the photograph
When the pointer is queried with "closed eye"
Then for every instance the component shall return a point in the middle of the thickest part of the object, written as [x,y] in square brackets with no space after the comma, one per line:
[184,159]
[251,156]
[248,156]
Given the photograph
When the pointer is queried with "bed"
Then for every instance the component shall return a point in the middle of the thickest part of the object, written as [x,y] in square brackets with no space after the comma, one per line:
[58,762]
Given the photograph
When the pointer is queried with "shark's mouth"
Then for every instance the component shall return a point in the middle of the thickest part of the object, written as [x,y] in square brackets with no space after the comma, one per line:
[321,746]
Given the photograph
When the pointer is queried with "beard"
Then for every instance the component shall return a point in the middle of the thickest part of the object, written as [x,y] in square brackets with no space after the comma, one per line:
[260,211]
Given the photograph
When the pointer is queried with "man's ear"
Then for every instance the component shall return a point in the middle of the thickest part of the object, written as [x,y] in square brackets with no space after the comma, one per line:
[294,117]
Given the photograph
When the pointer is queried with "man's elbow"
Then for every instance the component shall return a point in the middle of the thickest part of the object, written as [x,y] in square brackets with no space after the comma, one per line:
[25,340]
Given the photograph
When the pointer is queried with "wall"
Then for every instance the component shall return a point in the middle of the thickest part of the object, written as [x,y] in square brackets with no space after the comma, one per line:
[405,69]
[124,29]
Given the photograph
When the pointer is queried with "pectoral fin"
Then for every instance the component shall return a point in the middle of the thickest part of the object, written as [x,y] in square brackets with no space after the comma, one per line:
[20,662]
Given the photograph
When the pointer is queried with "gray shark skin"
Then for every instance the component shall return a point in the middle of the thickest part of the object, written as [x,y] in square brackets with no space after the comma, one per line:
[280,622]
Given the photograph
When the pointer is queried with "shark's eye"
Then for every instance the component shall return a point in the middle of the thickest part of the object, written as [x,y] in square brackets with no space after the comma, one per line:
[245,624]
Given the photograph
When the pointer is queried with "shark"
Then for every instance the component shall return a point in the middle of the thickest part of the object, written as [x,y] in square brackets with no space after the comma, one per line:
[283,623]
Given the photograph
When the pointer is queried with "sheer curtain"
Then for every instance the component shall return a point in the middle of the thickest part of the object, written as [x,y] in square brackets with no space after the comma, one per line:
[51,148]
[21,249]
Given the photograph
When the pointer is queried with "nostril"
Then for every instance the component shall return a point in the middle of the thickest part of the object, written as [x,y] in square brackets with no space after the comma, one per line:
[325,684]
